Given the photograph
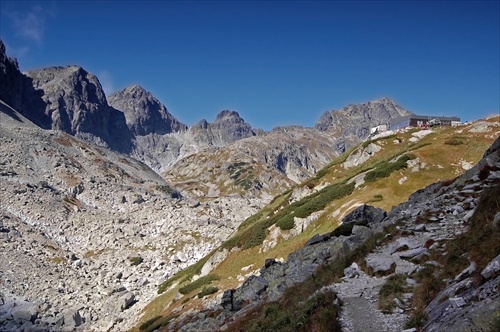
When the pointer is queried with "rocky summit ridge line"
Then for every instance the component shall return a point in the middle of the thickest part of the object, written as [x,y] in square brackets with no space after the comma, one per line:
[134,122]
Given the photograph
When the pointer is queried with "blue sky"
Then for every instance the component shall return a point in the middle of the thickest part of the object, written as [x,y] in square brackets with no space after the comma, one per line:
[276,63]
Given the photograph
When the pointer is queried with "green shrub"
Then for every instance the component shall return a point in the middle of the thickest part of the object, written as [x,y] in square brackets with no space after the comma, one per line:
[286,222]
[136,260]
[207,291]
[148,323]
[198,283]
[385,168]
[185,274]
[157,323]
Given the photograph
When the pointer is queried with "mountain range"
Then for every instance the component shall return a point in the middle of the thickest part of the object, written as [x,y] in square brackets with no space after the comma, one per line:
[105,200]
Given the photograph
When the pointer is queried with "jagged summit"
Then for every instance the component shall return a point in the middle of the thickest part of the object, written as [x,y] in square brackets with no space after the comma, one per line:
[227,115]
[74,102]
[144,113]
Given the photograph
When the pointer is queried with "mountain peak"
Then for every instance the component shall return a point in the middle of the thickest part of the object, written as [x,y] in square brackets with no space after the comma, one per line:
[135,89]
[143,112]
[228,114]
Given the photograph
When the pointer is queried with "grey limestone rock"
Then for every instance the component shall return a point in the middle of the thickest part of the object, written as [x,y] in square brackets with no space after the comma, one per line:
[381,264]
[125,301]
[72,317]
[251,289]
[492,269]
[365,214]
[22,313]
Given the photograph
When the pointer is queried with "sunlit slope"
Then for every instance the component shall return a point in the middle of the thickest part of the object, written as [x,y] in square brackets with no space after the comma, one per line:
[381,172]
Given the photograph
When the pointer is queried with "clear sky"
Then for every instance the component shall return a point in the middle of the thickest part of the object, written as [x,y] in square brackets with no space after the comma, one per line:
[276,63]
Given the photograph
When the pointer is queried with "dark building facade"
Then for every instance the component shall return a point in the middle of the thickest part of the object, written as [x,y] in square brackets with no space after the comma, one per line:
[414,120]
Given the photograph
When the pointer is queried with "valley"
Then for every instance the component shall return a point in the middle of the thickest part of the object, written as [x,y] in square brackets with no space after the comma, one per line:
[116,216]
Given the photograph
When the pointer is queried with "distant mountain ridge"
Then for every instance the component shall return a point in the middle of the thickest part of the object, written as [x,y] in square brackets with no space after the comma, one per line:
[134,122]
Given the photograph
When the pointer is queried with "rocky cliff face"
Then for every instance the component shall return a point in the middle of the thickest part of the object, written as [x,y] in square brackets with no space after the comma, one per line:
[144,113]
[17,91]
[353,122]
[77,105]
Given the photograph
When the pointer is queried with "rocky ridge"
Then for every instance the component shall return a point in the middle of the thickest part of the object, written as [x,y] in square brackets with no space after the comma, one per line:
[134,122]
[260,166]
[65,199]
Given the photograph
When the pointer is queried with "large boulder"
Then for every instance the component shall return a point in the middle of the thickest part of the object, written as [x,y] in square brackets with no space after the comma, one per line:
[365,214]
[72,317]
[125,301]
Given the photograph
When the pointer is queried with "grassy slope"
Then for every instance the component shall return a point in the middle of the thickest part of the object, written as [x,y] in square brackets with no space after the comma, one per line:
[440,153]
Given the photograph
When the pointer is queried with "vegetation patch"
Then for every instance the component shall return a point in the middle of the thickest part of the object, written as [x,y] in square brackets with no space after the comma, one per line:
[393,288]
[186,274]
[455,140]
[158,322]
[144,326]
[64,141]
[366,143]
[385,168]
[168,191]
[207,291]
[136,260]
[417,319]
[316,314]
[376,198]
[198,283]
[256,231]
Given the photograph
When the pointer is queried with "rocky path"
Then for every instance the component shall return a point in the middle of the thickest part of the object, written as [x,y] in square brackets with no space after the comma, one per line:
[359,296]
